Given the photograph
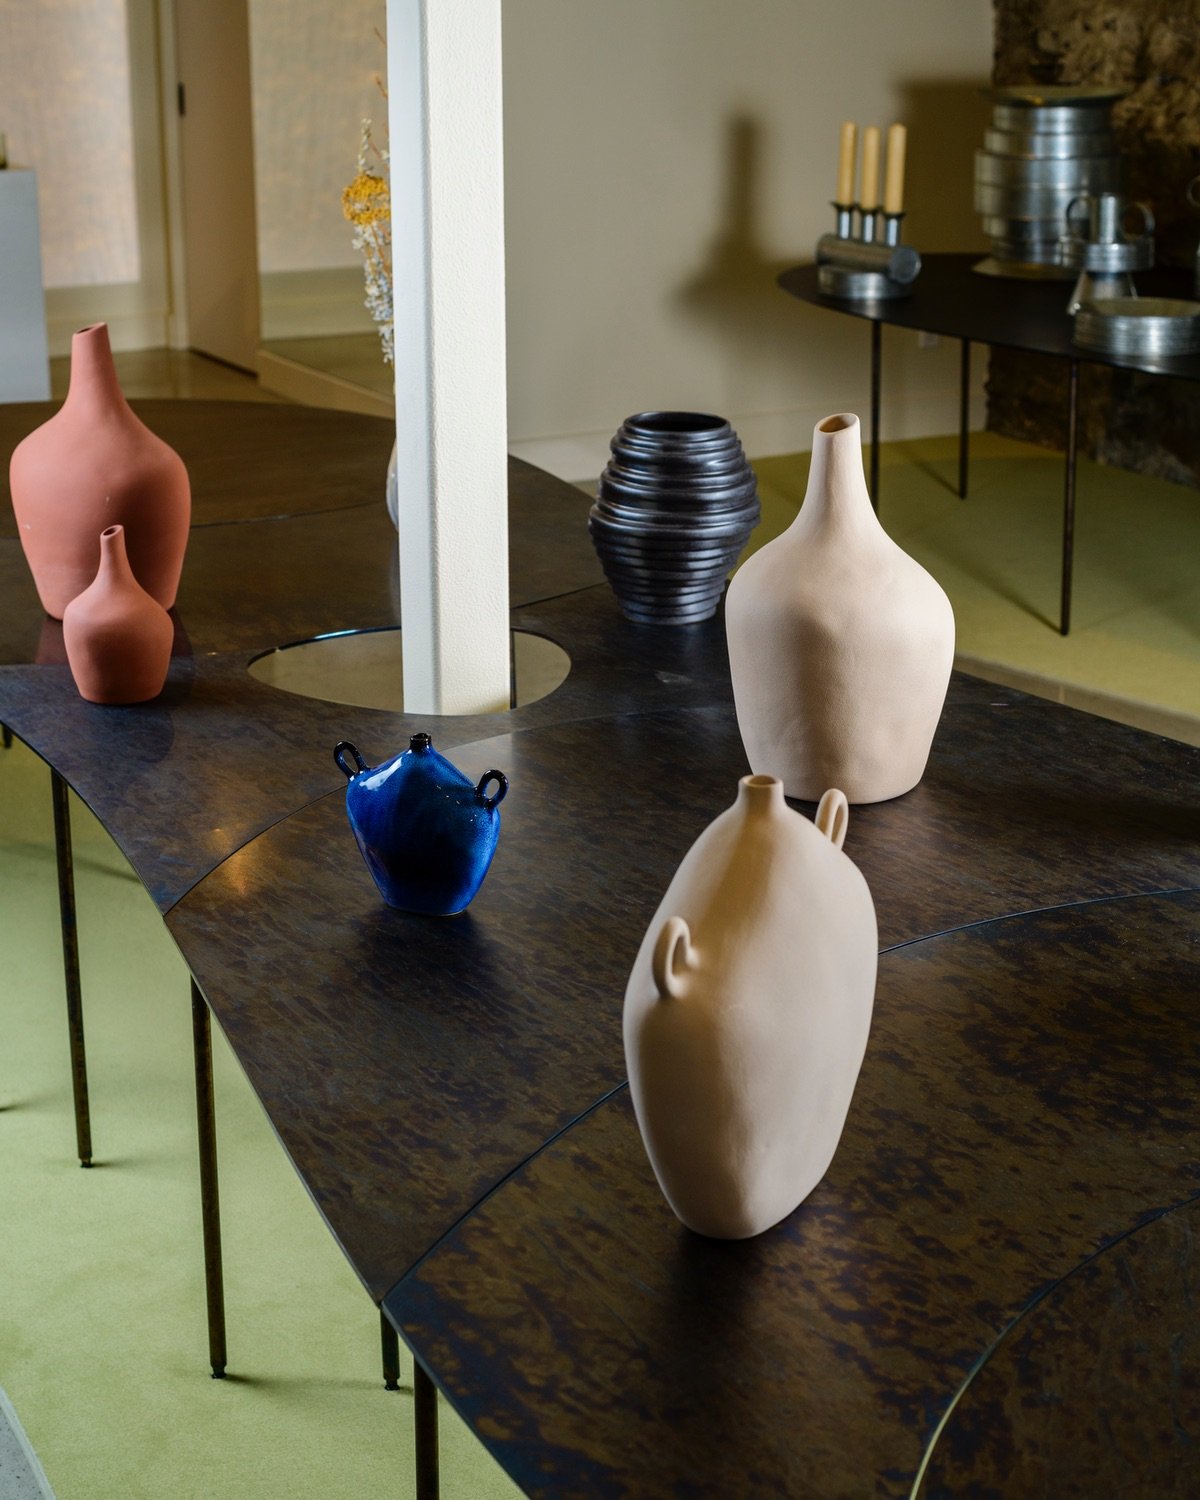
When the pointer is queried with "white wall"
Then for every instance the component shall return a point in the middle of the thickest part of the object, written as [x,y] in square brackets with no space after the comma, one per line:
[315,67]
[666,158]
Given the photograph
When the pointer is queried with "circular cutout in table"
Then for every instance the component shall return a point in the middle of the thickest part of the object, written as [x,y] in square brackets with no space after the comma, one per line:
[366,668]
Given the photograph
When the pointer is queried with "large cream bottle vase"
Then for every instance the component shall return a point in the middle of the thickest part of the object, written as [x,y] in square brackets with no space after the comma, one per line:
[840,644]
[747,1012]
[93,465]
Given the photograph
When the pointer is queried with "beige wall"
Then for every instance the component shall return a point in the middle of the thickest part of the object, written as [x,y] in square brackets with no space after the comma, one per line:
[666,158]
[65,108]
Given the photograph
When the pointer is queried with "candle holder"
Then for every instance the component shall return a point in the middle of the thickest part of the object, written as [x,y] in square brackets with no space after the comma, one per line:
[856,267]
[845,218]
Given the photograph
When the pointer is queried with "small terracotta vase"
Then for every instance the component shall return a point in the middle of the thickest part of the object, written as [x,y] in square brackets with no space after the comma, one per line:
[747,1012]
[93,465]
[118,638]
[840,644]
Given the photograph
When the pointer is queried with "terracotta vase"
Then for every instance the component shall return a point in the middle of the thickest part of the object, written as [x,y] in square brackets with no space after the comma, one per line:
[94,465]
[747,1012]
[118,638]
[840,644]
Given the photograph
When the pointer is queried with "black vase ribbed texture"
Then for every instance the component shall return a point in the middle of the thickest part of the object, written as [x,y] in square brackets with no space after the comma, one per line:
[675,505]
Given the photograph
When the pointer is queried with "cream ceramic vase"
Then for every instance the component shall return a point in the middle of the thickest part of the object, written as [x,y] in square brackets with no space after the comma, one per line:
[840,644]
[747,1012]
[95,464]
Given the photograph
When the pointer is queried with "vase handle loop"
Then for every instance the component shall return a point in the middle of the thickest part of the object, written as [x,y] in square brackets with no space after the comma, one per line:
[672,958]
[1079,226]
[340,751]
[833,816]
[501,781]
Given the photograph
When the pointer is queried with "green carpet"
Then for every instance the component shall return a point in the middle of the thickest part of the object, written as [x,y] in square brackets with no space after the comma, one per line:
[102,1325]
[1134,648]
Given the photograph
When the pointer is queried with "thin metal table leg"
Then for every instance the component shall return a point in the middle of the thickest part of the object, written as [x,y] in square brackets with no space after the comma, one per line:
[1068,545]
[876,384]
[426,1419]
[210,1200]
[964,418]
[70,945]
[390,1341]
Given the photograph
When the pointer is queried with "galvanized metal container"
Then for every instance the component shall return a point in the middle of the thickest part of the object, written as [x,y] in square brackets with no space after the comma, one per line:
[1046,146]
[1139,327]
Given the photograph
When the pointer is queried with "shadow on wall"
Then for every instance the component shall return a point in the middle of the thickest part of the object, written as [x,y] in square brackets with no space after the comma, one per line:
[946,120]
[735,288]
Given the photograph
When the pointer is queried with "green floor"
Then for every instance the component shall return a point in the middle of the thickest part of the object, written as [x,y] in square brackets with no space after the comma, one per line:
[102,1326]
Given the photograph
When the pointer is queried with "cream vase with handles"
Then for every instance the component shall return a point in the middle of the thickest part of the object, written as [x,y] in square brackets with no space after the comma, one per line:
[840,644]
[747,1012]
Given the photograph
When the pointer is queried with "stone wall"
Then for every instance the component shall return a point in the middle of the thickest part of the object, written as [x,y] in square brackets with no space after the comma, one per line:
[1152,47]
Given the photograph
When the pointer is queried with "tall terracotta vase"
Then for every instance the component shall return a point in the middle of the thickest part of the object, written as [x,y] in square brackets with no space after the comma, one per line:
[747,1012]
[840,644]
[93,465]
[118,638]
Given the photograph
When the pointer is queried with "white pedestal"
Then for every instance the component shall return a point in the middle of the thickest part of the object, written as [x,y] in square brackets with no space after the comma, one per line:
[24,360]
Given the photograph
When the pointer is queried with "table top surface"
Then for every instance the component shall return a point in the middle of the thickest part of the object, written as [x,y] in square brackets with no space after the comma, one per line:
[951,298]
[452,1091]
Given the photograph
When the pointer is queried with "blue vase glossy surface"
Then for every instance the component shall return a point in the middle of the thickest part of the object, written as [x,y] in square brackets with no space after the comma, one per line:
[426,831]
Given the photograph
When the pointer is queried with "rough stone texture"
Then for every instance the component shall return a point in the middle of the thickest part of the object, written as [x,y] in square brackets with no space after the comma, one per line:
[1151,47]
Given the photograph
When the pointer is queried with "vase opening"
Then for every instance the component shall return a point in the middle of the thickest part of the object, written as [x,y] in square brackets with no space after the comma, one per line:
[111,531]
[677,421]
[760,792]
[91,328]
[838,423]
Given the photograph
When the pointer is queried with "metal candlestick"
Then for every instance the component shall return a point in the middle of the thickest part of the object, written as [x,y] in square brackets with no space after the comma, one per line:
[857,267]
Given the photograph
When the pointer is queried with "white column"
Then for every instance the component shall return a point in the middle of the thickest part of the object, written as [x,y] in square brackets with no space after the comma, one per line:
[446,138]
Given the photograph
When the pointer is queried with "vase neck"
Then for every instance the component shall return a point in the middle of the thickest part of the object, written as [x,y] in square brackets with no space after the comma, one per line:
[94,381]
[114,560]
[837,498]
[760,796]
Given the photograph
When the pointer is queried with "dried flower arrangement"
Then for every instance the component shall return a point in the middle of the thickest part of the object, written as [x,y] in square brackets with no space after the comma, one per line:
[366,202]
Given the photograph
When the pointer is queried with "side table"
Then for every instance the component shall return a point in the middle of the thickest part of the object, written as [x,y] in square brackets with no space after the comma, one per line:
[951,299]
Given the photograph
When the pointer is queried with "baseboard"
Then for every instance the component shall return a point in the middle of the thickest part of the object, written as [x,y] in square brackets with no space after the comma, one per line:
[131,323]
[910,414]
[285,377]
[314,304]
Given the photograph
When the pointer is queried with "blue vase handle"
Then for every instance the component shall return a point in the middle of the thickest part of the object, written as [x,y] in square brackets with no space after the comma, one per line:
[501,781]
[339,754]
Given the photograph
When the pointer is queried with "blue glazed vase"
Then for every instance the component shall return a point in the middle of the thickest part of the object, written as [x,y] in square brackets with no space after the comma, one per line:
[427,833]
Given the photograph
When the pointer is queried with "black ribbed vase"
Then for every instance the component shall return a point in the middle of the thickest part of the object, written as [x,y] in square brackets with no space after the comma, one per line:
[674,508]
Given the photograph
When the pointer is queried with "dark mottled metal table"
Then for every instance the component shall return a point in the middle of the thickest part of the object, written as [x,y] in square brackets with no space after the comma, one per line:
[452,1092]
